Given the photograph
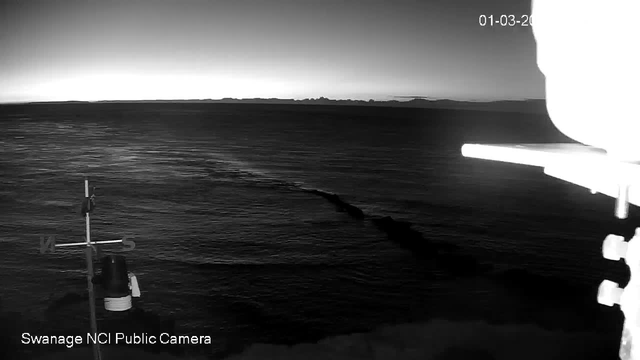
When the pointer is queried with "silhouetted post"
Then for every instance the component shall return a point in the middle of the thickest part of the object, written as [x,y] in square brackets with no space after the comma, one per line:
[92,300]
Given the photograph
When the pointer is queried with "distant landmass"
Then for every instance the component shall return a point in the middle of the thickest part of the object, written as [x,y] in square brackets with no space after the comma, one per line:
[522,106]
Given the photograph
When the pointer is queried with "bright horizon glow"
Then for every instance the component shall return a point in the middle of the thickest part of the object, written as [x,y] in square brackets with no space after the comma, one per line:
[194,49]
[133,87]
[130,87]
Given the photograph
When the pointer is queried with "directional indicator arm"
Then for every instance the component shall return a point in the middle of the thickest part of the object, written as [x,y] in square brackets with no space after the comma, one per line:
[85,243]
[50,244]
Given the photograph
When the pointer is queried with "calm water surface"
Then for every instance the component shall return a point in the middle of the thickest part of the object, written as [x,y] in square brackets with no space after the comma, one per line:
[230,244]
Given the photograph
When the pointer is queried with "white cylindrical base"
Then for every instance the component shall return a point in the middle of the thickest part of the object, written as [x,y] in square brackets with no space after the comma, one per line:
[118,304]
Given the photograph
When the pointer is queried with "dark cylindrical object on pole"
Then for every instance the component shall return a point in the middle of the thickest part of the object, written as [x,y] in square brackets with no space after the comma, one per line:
[115,282]
[114,276]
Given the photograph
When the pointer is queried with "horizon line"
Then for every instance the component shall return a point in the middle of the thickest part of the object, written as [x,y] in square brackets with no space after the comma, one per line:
[410,98]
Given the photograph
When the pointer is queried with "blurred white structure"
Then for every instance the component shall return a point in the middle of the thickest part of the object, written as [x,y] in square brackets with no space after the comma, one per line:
[609,293]
[588,52]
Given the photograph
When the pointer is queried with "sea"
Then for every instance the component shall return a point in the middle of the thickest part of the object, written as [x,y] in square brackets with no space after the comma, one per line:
[236,239]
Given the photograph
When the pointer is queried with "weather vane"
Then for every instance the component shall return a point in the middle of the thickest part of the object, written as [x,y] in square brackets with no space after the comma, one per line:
[119,285]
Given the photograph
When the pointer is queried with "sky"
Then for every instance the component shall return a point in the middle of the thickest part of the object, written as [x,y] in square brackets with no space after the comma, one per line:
[58,50]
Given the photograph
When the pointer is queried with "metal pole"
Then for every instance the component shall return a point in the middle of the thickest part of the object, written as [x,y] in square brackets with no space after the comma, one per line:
[92,300]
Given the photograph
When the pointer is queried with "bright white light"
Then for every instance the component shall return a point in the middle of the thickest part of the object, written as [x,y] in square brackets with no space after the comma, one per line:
[588,52]
[543,155]
[575,163]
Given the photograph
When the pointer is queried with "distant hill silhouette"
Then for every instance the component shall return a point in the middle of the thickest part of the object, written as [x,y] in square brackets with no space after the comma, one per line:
[522,106]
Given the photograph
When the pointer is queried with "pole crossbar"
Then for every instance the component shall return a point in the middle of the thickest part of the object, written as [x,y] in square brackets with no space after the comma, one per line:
[85,243]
